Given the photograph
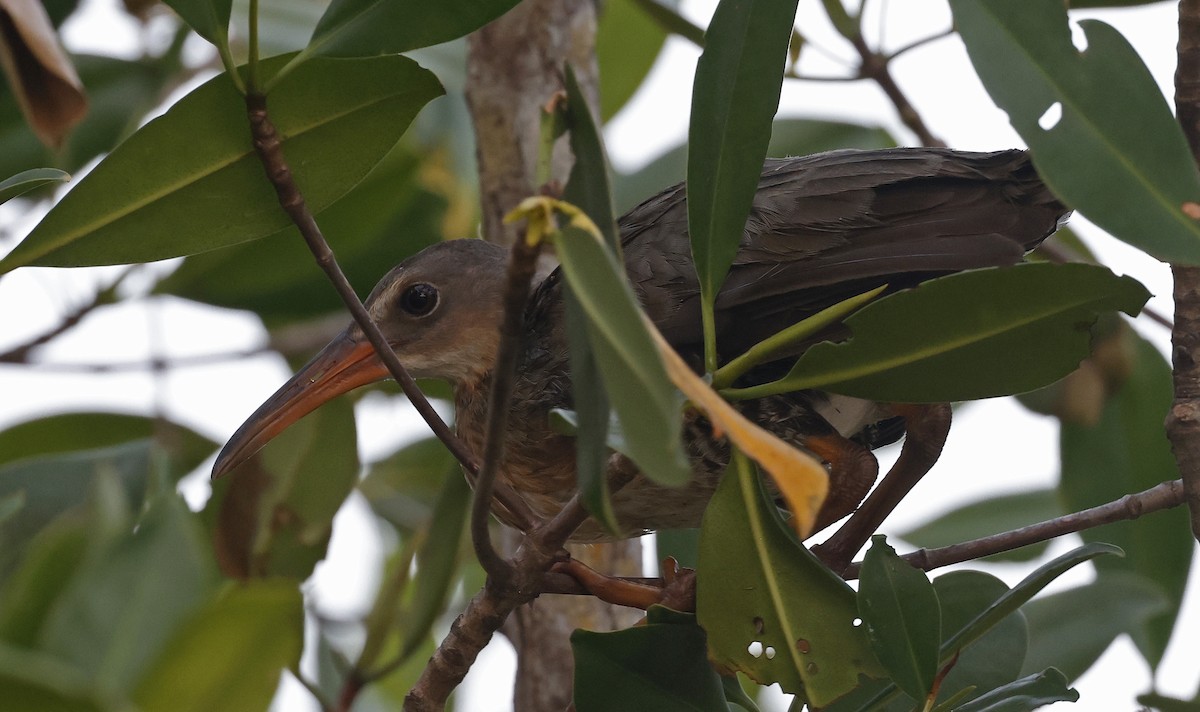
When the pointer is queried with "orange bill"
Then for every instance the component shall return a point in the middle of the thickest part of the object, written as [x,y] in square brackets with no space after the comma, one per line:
[345,364]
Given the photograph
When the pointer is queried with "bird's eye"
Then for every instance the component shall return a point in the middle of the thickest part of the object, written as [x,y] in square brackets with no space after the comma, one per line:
[419,299]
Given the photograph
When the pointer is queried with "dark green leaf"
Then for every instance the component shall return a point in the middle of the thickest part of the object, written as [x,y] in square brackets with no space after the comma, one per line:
[1117,153]
[437,561]
[386,217]
[900,609]
[53,484]
[967,599]
[1162,703]
[628,42]
[734,98]
[990,516]
[993,660]
[588,188]
[659,666]
[1081,4]
[115,618]
[1028,693]
[273,516]
[961,331]
[736,696]
[361,28]
[402,488]
[32,681]
[230,654]
[646,403]
[47,569]
[1071,629]
[789,137]
[26,181]
[1127,451]
[70,432]
[10,504]
[681,544]
[1020,594]
[209,18]
[759,591]
[337,119]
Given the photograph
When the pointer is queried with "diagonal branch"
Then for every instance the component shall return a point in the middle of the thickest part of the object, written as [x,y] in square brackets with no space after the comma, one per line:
[107,295]
[1131,506]
[877,67]
[522,264]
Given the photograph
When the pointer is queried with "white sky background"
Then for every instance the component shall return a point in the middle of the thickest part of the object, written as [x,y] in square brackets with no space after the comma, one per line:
[995,446]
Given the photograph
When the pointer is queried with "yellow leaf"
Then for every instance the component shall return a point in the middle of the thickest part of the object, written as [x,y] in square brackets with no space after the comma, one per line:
[801,479]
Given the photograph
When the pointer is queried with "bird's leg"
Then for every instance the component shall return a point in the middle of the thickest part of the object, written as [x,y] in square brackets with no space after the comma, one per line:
[852,471]
[926,428]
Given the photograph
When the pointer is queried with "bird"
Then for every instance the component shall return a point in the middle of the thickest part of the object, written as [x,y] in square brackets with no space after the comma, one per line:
[822,228]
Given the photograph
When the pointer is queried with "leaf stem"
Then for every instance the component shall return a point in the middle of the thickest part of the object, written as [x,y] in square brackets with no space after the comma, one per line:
[708,320]
[772,345]
[252,79]
[1131,506]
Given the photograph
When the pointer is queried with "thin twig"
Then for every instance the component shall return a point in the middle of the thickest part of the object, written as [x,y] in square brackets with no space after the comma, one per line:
[20,354]
[1131,506]
[270,151]
[522,264]
[920,43]
[793,74]
[875,67]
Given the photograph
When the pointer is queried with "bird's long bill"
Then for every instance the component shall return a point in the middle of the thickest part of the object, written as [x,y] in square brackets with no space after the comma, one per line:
[345,364]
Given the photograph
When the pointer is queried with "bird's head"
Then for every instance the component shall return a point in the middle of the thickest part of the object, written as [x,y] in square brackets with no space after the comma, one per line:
[439,311]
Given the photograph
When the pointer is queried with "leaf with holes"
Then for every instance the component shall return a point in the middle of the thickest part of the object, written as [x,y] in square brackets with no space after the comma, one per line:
[900,609]
[1116,153]
[770,608]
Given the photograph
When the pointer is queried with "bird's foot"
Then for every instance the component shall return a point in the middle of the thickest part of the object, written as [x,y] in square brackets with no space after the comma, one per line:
[677,590]
[926,428]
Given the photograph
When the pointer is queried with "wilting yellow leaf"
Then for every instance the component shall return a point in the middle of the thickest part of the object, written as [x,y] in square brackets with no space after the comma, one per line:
[801,479]
[42,77]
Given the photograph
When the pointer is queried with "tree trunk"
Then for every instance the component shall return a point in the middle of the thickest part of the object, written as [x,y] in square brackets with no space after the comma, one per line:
[514,67]
[1183,422]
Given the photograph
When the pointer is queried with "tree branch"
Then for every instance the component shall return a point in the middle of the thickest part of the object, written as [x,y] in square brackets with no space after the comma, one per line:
[1183,422]
[107,295]
[877,68]
[522,263]
[1131,506]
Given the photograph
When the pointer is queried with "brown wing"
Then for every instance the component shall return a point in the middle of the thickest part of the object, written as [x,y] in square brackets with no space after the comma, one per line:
[828,226]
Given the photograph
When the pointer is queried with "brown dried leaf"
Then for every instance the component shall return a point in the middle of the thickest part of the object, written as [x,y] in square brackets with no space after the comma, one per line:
[42,77]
